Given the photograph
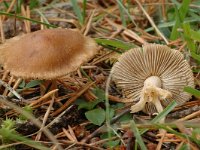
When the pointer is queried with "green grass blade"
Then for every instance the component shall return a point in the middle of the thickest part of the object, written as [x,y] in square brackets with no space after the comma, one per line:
[195,56]
[34,4]
[84,9]
[187,36]
[176,3]
[195,35]
[122,13]
[164,113]
[172,23]
[85,74]
[161,115]
[18,6]
[6,4]
[185,136]
[192,91]
[24,18]
[8,135]
[115,44]
[184,9]
[43,17]
[126,11]
[180,16]
[77,11]
[137,135]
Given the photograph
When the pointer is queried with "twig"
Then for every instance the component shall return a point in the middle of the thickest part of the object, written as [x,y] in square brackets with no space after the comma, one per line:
[10,8]
[80,144]
[68,135]
[126,31]
[15,86]
[33,119]
[44,97]
[9,83]
[45,118]
[11,90]
[104,140]
[164,10]
[88,26]
[72,99]
[189,116]
[161,140]
[2,31]
[152,22]
[55,120]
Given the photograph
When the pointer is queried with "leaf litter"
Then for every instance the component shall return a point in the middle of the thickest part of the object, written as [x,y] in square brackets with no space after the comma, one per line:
[68,111]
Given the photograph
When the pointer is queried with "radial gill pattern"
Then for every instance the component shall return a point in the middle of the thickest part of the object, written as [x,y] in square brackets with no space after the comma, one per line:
[137,64]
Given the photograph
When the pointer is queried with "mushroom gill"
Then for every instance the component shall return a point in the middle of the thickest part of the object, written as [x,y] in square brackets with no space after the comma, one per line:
[153,75]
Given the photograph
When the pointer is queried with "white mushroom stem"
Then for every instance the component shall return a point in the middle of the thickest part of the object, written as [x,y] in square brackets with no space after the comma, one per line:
[153,93]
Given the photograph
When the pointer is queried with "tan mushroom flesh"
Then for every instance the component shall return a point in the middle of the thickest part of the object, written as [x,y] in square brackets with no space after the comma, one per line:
[153,76]
[46,54]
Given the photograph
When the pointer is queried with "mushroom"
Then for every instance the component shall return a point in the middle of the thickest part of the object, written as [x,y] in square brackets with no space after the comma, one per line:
[47,54]
[153,76]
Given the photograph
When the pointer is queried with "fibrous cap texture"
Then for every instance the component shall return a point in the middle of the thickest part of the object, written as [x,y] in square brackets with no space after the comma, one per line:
[138,64]
[47,54]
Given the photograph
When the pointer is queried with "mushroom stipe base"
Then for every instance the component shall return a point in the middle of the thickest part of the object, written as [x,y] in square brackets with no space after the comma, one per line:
[151,92]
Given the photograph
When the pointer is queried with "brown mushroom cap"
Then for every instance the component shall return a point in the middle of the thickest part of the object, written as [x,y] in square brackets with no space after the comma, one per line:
[153,62]
[47,54]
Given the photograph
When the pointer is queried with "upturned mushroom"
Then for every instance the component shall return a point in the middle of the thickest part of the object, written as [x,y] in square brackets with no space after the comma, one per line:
[46,54]
[153,76]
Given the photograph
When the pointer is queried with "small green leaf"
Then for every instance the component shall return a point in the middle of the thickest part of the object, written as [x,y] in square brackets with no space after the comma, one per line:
[28,109]
[107,134]
[83,104]
[96,116]
[111,144]
[99,93]
[117,105]
[112,113]
[192,91]
[33,4]
[22,84]
[126,117]
[33,83]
